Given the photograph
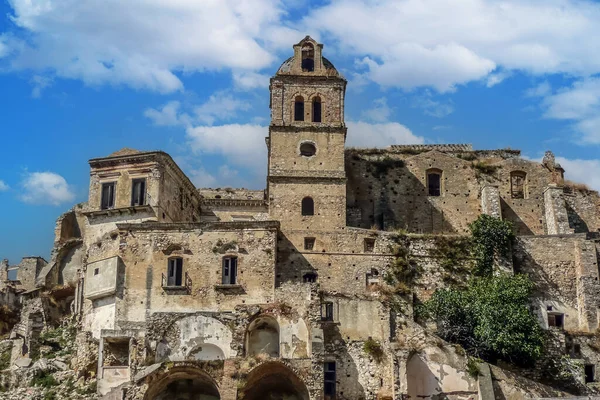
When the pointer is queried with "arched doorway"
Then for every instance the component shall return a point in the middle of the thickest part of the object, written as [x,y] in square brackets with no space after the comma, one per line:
[274,381]
[183,384]
[263,337]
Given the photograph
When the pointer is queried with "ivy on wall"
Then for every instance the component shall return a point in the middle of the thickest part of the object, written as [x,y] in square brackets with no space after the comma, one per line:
[492,238]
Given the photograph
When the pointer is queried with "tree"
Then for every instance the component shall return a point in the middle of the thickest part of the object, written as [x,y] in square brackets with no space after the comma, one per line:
[491,238]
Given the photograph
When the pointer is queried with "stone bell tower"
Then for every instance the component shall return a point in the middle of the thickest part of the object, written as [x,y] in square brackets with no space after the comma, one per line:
[307,180]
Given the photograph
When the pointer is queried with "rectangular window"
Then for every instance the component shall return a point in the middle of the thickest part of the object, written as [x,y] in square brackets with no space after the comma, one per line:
[327,311]
[299,110]
[517,185]
[369,245]
[175,272]
[229,271]
[589,373]
[108,196]
[138,192]
[434,184]
[316,111]
[309,243]
[556,320]
[329,379]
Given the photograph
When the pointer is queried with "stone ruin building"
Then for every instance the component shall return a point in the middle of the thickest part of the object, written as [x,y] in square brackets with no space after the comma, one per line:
[187,294]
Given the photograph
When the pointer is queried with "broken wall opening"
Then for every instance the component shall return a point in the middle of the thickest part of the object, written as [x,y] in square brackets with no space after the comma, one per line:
[273,380]
[263,337]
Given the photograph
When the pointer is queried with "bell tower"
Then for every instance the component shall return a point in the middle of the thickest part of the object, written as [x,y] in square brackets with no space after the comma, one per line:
[306,176]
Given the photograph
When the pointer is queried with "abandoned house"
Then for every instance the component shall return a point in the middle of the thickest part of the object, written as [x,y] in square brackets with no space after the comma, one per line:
[194,293]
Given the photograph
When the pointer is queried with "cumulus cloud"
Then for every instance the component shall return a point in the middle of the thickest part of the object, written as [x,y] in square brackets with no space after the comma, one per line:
[363,134]
[579,103]
[578,170]
[250,80]
[379,113]
[3,186]
[220,106]
[144,44]
[167,115]
[541,90]
[431,107]
[46,188]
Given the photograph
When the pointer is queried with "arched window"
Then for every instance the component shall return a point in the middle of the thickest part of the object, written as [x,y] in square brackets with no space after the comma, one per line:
[316,109]
[308,206]
[517,184]
[263,337]
[299,109]
[434,182]
[308,58]
[307,149]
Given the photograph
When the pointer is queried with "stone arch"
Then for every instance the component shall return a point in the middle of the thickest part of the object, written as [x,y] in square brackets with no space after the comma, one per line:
[262,336]
[183,382]
[273,380]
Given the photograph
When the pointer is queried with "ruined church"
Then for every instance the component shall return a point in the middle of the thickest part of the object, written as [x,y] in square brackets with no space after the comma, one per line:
[175,292]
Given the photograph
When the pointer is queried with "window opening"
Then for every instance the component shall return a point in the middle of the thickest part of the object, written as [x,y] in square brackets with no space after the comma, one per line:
[96,271]
[138,192]
[229,271]
[369,245]
[316,109]
[434,181]
[309,243]
[327,311]
[373,277]
[299,109]
[556,320]
[175,272]
[108,196]
[329,379]
[517,185]
[307,149]
[589,373]
[309,277]
[308,58]
[308,206]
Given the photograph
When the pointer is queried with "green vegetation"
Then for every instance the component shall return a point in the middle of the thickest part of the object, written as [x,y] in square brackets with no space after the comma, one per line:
[44,379]
[381,167]
[5,357]
[467,156]
[455,256]
[491,238]
[403,271]
[473,367]
[373,348]
[481,167]
[490,318]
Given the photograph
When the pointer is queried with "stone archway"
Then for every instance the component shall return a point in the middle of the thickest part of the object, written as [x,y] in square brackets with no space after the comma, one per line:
[274,381]
[184,383]
[262,337]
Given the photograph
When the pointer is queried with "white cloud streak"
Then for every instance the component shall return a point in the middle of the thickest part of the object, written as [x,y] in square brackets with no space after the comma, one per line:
[46,188]
[3,186]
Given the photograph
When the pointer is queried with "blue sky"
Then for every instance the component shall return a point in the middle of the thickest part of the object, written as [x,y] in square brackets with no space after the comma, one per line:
[83,79]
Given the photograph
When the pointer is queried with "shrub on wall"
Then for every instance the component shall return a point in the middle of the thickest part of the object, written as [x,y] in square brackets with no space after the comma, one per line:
[491,238]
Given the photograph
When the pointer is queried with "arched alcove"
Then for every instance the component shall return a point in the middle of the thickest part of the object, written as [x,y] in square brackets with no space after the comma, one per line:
[183,383]
[262,337]
[207,352]
[274,380]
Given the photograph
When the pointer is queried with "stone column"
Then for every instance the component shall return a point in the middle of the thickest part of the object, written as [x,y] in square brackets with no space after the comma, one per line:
[490,201]
[588,287]
[557,220]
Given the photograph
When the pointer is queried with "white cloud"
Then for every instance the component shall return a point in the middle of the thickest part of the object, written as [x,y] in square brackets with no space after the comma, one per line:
[46,188]
[250,80]
[201,178]
[579,103]
[582,171]
[496,78]
[144,44]
[167,115]
[422,42]
[363,134]
[379,113]
[3,186]
[220,106]
[541,90]
[39,83]
[432,107]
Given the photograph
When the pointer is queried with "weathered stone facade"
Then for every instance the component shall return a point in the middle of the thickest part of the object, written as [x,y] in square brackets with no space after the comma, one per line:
[279,293]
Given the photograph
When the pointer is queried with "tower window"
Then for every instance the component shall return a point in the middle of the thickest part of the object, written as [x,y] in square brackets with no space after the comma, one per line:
[138,192]
[308,206]
[299,109]
[434,182]
[316,109]
[329,379]
[517,184]
[307,149]
[108,196]
[229,271]
[308,58]
[175,272]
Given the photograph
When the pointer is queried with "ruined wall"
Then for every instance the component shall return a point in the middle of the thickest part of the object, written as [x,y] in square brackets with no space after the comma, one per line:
[28,269]
[583,210]
[178,199]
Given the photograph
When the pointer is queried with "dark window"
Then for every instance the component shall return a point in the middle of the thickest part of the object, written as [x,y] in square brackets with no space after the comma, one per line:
[299,109]
[96,271]
[108,196]
[309,243]
[138,192]
[308,149]
[229,271]
[369,245]
[308,58]
[517,185]
[316,109]
[327,311]
[309,277]
[556,320]
[175,272]
[589,373]
[308,206]
[329,379]
[434,181]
